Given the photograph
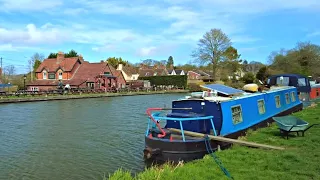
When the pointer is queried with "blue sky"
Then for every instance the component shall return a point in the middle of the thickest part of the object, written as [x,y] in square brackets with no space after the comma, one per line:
[141,29]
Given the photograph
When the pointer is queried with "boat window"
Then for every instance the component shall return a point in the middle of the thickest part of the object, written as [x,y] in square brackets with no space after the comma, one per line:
[284,81]
[236,114]
[261,106]
[302,82]
[293,97]
[287,98]
[278,103]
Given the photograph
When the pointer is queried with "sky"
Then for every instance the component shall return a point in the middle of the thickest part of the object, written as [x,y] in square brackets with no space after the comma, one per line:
[155,29]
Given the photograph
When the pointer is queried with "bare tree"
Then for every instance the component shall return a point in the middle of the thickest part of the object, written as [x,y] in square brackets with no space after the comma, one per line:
[36,57]
[211,49]
[9,71]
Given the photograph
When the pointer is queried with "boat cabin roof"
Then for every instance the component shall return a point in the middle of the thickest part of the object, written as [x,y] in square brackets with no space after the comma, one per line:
[215,98]
[301,82]
[222,89]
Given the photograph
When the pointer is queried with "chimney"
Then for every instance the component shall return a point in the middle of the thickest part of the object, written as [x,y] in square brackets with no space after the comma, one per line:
[120,66]
[60,57]
[80,58]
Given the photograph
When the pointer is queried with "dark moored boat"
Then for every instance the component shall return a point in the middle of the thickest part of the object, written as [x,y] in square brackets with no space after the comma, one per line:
[224,111]
[302,83]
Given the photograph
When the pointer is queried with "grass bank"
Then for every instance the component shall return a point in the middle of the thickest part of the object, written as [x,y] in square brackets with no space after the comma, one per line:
[29,98]
[300,160]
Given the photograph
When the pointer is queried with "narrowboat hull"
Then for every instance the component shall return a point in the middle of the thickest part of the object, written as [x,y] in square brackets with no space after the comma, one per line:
[158,150]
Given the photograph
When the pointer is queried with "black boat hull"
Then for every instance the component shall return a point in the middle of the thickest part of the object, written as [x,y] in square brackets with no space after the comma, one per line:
[157,150]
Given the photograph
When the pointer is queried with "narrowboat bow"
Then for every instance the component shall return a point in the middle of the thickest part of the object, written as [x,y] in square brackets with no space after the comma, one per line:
[222,111]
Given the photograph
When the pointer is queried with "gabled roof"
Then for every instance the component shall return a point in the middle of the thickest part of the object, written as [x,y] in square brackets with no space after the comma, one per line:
[170,71]
[129,70]
[52,65]
[86,73]
[146,72]
[178,71]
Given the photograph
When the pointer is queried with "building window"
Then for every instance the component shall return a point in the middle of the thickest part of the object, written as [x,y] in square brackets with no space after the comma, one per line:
[60,75]
[293,97]
[236,114]
[261,106]
[52,76]
[34,89]
[278,102]
[317,92]
[106,73]
[287,98]
[44,75]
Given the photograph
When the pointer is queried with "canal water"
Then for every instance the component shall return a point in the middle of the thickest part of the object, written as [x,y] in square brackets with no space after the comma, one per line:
[75,139]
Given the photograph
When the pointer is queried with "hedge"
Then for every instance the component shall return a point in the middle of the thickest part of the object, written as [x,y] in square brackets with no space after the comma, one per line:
[176,80]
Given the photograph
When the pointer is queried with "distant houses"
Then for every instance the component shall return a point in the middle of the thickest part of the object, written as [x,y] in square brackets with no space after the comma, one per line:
[76,73]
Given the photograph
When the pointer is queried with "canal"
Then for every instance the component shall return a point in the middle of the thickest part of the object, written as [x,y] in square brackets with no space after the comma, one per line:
[75,139]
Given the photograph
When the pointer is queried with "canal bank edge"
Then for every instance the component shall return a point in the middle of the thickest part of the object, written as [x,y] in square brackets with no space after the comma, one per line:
[297,162]
[83,96]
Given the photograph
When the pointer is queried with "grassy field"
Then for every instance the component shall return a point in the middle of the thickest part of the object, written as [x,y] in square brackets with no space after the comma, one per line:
[300,160]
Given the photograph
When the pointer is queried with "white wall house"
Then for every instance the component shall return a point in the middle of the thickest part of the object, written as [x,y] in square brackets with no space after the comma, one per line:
[128,73]
[176,72]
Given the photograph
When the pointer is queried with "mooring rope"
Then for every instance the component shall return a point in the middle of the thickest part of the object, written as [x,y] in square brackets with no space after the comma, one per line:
[216,159]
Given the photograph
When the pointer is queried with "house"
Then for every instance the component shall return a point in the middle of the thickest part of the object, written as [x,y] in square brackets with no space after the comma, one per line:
[198,74]
[77,73]
[193,75]
[238,74]
[176,72]
[130,73]
[156,70]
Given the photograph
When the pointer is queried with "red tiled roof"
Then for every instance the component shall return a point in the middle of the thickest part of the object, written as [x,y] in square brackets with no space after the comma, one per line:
[52,65]
[129,70]
[86,73]
[151,72]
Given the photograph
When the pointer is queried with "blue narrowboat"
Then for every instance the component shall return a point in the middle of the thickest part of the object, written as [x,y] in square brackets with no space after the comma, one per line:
[221,111]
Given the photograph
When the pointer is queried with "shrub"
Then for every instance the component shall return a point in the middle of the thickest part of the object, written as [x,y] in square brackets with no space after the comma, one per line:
[180,81]
[248,78]
[193,87]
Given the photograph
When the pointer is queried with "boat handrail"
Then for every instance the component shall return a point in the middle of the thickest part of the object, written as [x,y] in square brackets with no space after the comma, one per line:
[156,116]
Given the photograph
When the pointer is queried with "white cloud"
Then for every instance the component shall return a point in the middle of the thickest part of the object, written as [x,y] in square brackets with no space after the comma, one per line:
[316,33]
[29,5]
[147,51]
[180,23]
[105,48]
[29,35]
[75,11]
[156,50]
[7,47]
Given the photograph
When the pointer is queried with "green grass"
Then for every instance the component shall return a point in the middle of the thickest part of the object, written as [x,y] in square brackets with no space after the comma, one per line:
[300,159]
